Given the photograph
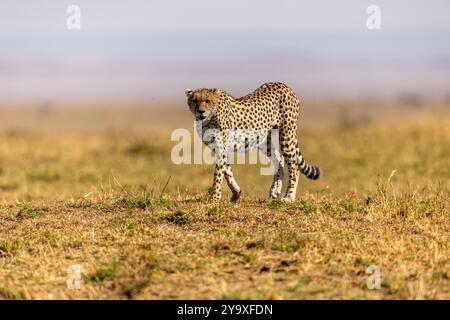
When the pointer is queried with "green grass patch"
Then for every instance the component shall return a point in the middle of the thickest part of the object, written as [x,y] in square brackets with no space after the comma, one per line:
[104,273]
[30,212]
[49,237]
[361,261]
[8,247]
[306,207]
[138,203]
[276,204]
[289,242]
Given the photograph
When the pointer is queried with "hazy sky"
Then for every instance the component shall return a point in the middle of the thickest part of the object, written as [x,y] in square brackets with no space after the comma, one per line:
[47,17]
[145,49]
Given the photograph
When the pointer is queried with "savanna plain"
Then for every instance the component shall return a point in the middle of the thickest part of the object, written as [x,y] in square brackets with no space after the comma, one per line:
[95,187]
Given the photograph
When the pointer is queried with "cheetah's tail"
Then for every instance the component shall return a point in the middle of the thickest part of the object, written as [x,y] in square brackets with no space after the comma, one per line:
[311,172]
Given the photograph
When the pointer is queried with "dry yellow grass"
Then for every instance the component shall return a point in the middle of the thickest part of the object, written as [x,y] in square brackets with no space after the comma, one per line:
[139,226]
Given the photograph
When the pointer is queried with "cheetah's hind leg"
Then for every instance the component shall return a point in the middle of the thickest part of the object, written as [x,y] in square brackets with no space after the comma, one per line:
[290,156]
[278,163]
[277,183]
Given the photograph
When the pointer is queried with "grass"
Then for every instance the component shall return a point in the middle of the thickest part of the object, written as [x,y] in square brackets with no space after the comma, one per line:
[103,273]
[30,212]
[139,226]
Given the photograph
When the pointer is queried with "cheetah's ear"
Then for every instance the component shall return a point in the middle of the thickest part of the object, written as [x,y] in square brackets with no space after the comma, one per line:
[188,92]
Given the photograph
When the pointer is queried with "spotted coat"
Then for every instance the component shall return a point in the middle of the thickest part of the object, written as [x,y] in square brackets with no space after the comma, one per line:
[273,107]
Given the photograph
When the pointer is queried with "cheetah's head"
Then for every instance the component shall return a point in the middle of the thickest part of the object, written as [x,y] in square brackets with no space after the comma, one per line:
[202,102]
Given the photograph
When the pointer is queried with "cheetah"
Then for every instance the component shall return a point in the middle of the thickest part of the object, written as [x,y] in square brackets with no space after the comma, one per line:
[273,107]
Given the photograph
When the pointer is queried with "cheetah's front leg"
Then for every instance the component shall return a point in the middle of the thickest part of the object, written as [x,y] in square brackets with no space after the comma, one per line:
[232,184]
[216,192]
[221,163]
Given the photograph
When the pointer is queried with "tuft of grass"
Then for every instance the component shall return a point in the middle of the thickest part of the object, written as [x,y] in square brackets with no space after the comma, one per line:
[255,244]
[104,273]
[213,209]
[306,207]
[394,285]
[49,237]
[129,224]
[276,204]
[165,203]
[289,242]
[152,261]
[178,217]
[134,288]
[221,247]
[30,212]
[349,207]
[363,261]
[8,247]
[139,202]
[355,206]
[12,294]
